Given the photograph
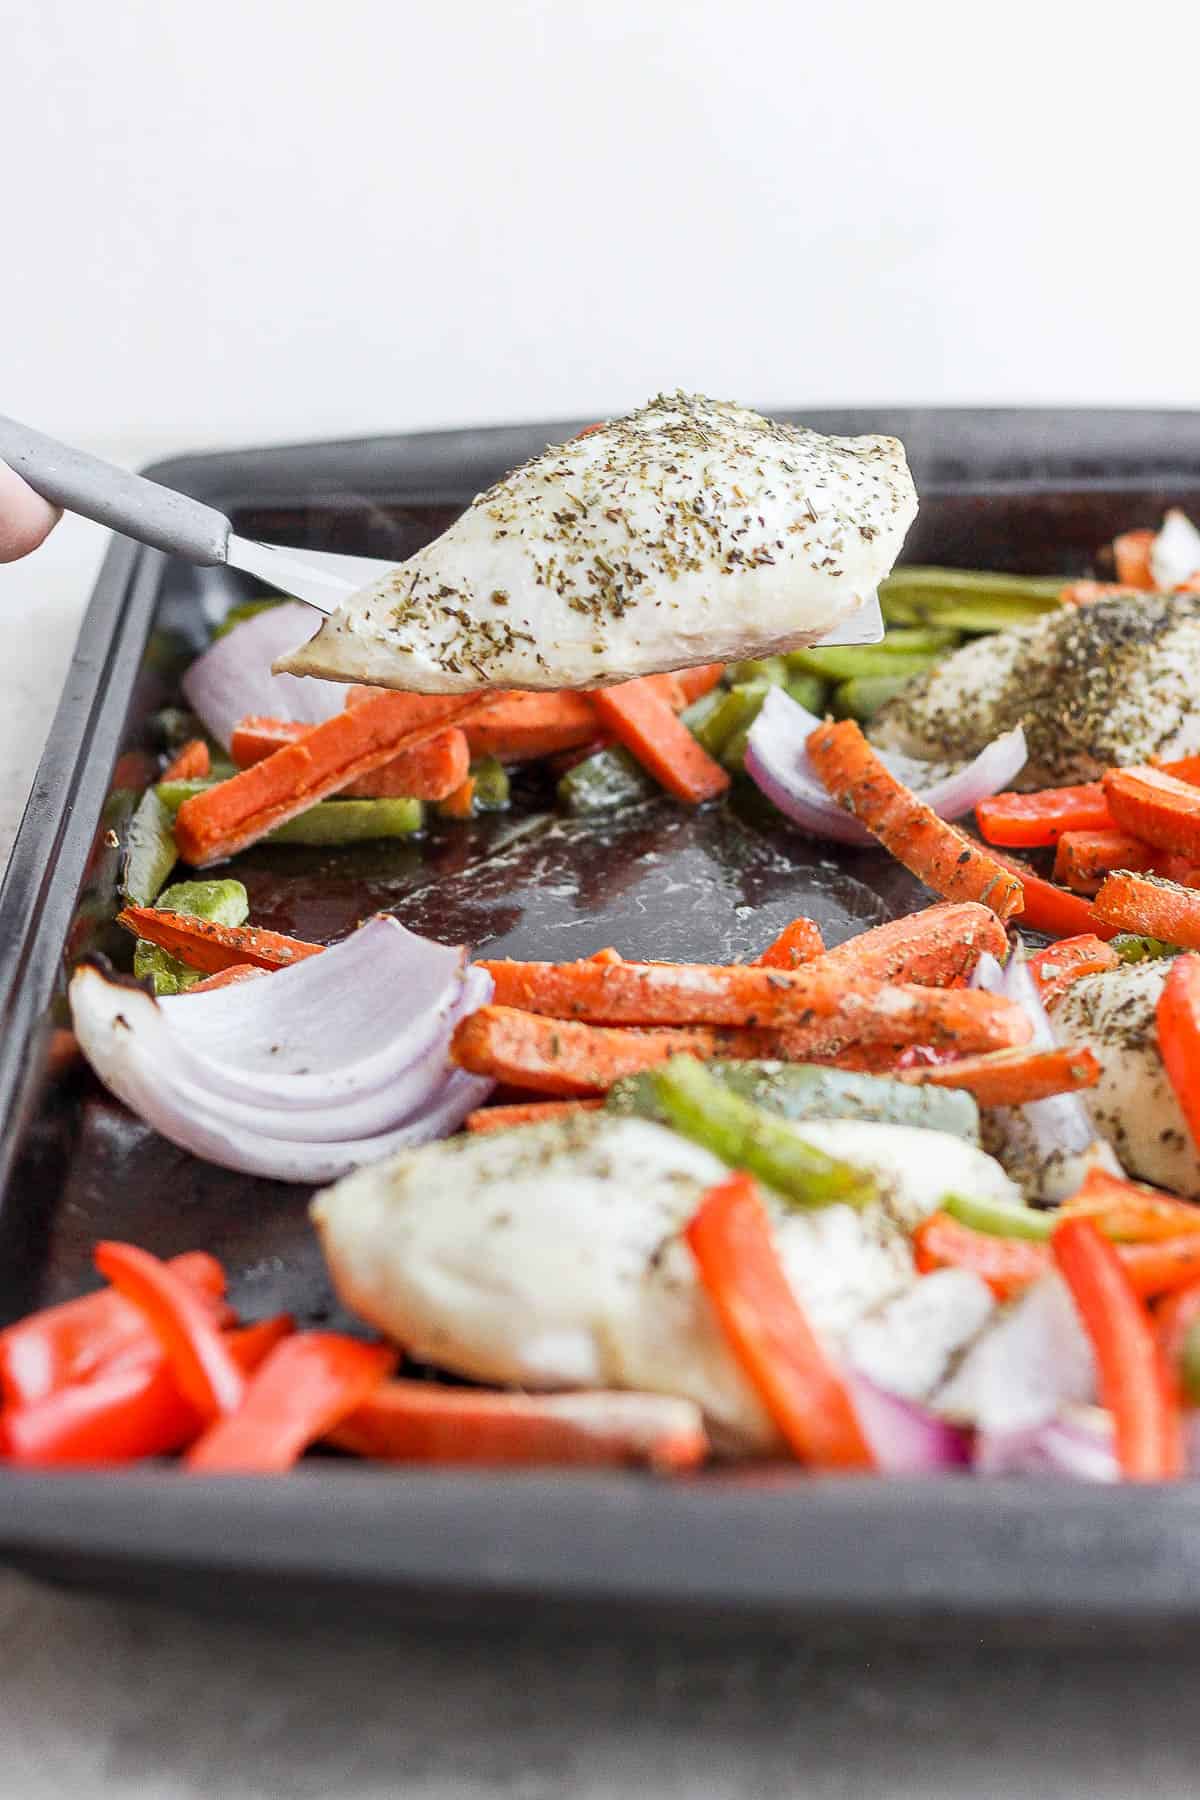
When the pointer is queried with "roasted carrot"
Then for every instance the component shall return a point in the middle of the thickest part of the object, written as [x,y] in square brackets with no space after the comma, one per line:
[1129,1213]
[632,993]
[1056,967]
[203,944]
[1131,555]
[937,947]
[1156,807]
[521,727]
[241,971]
[429,772]
[1133,1379]
[191,763]
[1054,910]
[607,955]
[1161,1265]
[1011,1077]
[640,719]
[1150,906]
[730,1238]
[697,682]
[1179,869]
[1178,1018]
[558,1056]
[418,1421]
[934,851]
[526,1112]
[1184,768]
[797,943]
[1082,593]
[461,803]
[221,820]
[1084,858]
[1031,821]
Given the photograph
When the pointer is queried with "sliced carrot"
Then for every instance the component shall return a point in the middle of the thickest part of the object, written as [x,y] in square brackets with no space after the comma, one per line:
[1007,1264]
[1128,1212]
[1179,869]
[1011,1077]
[1084,858]
[521,727]
[191,763]
[934,851]
[730,1237]
[307,1384]
[797,943]
[1052,909]
[712,994]
[1156,807]
[418,1421]
[1162,1264]
[558,1056]
[203,944]
[1178,1019]
[699,681]
[429,772]
[221,820]
[1082,593]
[937,947]
[1032,821]
[640,719]
[226,978]
[1184,768]
[1055,968]
[526,1112]
[1131,554]
[461,803]
[1150,906]
[1133,1379]
[607,955]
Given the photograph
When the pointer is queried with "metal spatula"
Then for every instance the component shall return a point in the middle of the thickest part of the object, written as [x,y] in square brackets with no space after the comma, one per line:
[170,521]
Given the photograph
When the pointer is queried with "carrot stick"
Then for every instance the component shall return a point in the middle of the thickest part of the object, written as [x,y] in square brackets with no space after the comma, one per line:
[555,1056]
[203,944]
[711,994]
[429,772]
[1055,968]
[1184,768]
[1131,554]
[1082,593]
[934,851]
[1011,1077]
[1054,910]
[645,724]
[937,947]
[739,1265]
[699,681]
[229,977]
[191,763]
[797,943]
[1123,1210]
[418,1421]
[1150,906]
[461,803]
[521,727]
[526,1112]
[1030,821]
[1084,858]
[1157,807]
[222,820]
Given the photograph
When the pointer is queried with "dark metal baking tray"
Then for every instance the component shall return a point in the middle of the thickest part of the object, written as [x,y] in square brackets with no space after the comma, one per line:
[761,1549]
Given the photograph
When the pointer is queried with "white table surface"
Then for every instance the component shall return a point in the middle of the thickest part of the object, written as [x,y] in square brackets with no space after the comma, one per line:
[101,1697]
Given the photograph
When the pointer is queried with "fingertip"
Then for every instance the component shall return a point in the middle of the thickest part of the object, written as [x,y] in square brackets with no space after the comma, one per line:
[25,518]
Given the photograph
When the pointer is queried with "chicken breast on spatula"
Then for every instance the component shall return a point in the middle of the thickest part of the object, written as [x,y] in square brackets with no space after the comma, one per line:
[690,531]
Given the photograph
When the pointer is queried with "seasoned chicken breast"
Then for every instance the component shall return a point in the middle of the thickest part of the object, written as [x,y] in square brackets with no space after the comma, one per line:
[1115,681]
[690,531]
[1133,1103]
[551,1256]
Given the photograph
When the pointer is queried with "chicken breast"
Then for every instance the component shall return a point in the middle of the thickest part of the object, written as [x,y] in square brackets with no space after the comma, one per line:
[690,531]
[1114,681]
[552,1256]
[1133,1103]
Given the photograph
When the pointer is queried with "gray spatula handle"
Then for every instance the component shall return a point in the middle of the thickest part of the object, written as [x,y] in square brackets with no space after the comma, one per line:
[127,503]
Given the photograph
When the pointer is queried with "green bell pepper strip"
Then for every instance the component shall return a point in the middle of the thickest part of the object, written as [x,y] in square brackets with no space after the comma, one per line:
[862,698]
[999,1219]
[1133,948]
[224,901]
[150,852]
[493,790]
[746,1137]
[334,822]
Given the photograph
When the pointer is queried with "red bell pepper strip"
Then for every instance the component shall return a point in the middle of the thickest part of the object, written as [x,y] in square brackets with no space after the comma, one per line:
[1032,821]
[1176,1318]
[1178,1017]
[132,1409]
[206,1371]
[1134,1384]
[73,1340]
[1007,1264]
[730,1238]
[303,1389]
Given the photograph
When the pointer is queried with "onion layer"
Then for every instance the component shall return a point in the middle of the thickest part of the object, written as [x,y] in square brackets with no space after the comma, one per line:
[233,680]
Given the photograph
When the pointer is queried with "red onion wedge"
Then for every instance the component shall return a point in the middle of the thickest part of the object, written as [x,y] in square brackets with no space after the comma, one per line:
[353,1078]
[1078,1443]
[1175,552]
[1030,1362]
[777,761]
[233,679]
[904,1436]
